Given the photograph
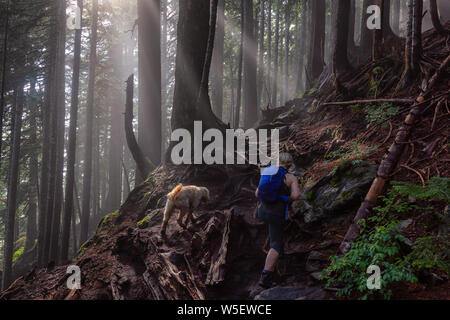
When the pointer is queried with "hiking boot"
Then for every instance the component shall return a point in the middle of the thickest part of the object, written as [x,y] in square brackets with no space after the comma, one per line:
[266,280]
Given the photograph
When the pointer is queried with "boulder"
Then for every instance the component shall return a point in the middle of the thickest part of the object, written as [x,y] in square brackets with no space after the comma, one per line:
[338,192]
[292,293]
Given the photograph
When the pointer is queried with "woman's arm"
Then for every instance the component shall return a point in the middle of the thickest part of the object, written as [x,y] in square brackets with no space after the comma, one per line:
[293,185]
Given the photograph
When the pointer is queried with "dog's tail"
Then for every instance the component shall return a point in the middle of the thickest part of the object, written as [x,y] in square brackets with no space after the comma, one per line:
[172,194]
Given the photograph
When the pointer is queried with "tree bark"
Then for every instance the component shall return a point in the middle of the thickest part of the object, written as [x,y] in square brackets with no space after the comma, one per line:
[250,53]
[237,111]
[4,59]
[72,144]
[31,234]
[149,118]
[262,22]
[143,165]
[191,64]
[340,56]
[87,175]
[60,133]
[435,19]
[302,46]
[276,58]
[217,62]
[269,51]
[366,34]
[12,189]
[318,47]
[113,197]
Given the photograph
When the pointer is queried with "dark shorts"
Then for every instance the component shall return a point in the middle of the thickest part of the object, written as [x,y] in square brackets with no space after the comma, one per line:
[274,216]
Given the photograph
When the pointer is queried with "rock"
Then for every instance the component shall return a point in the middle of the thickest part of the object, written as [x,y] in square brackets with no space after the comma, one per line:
[316,275]
[291,293]
[339,192]
[313,262]
[404,224]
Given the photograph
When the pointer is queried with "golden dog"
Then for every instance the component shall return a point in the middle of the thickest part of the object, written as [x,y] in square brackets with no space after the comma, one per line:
[186,199]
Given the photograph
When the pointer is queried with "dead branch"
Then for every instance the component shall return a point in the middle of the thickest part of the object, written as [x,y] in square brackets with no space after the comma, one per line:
[339,103]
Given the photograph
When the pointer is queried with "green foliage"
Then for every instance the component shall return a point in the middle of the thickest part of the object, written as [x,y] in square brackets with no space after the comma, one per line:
[437,188]
[353,150]
[380,247]
[381,244]
[429,253]
[381,114]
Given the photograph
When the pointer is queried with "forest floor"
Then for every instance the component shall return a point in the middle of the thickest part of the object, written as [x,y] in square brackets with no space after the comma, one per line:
[221,254]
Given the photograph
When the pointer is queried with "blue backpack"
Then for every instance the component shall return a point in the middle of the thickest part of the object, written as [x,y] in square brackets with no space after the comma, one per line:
[269,189]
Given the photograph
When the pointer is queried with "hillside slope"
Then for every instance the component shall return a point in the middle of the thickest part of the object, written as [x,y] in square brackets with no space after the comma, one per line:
[336,148]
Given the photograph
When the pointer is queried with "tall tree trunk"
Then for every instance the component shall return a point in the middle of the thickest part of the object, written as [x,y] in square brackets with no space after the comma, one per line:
[87,174]
[377,45]
[287,14]
[262,24]
[366,34]
[72,144]
[276,58]
[318,47]
[56,107]
[191,65]
[164,77]
[250,53]
[340,57]
[351,14]
[149,119]
[115,141]
[33,173]
[396,16]
[144,166]
[269,52]
[237,112]
[60,133]
[217,62]
[435,19]
[12,189]
[302,46]
[4,58]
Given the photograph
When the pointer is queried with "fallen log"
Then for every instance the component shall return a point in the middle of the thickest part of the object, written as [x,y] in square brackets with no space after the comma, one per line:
[344,103]
[390,160]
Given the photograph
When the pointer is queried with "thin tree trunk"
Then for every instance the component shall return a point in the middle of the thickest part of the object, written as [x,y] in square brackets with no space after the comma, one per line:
[276,58]
[143,165]
[217,62]
[87,175]
[33,172]
[115,142]
[12,189]
[396,16]
[301,61]
[250,53]
[60,133]
[262,23]
[4,59]
[435,19]
[72,144]
[318,46]
[366,34]
[287,49]
[237,112]
[377,45]
[164,78]
[269,51]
